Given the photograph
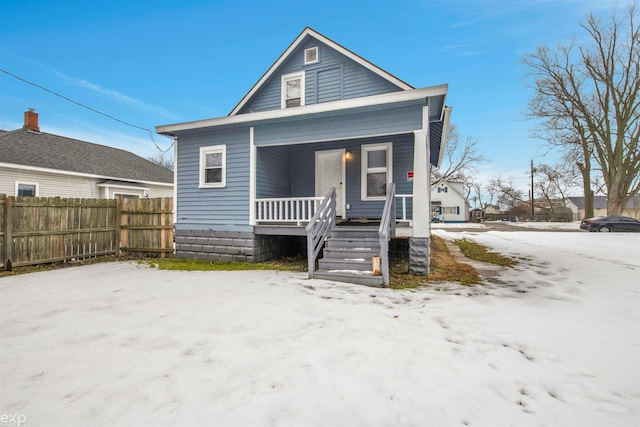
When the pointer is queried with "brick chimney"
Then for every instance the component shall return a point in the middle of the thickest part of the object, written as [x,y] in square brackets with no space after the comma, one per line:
[31,120]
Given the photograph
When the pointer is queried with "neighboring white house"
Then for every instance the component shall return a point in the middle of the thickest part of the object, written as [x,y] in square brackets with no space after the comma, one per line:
[34,163]
[448,203]
[576,204]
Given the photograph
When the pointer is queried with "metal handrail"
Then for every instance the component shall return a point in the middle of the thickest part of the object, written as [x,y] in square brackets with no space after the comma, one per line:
[387,230]
[319,227]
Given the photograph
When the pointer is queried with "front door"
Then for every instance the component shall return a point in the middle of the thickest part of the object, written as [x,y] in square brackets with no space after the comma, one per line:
[330,173]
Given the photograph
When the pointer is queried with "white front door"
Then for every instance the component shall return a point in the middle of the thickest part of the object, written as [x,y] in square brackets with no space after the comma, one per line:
[330,173]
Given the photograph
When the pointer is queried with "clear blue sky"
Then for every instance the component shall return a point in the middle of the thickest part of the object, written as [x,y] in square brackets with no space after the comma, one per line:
[160,62]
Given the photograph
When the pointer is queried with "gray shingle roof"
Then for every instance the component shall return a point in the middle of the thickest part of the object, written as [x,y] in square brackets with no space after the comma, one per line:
[45,150]
[599,202]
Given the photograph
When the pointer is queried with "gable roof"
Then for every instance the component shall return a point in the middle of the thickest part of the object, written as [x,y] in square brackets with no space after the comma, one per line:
[448,183]
[599,202]
[24,147]
[309,32]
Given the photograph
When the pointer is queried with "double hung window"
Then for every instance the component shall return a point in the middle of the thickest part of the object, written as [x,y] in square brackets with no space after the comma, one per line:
[213,164]
[292,90]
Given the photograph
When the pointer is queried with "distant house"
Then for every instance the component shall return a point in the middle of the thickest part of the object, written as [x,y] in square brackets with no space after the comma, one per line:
[35,163]
[476,215]
[448,203]
[576,204]
[323,137]
[600,208]
[632,207]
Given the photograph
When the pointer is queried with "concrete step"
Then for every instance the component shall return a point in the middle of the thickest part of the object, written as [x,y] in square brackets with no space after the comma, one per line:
[356,264]
[345,276]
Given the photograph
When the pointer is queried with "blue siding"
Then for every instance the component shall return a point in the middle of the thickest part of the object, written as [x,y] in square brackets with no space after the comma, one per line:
[333,77]
[273,175]
[212,207]
[303,171]
[381,121]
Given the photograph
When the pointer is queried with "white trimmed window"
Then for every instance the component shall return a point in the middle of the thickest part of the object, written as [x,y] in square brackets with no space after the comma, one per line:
[311,56]
[451,210]
[293,90]
[27,189]
[213,166]
[376,171]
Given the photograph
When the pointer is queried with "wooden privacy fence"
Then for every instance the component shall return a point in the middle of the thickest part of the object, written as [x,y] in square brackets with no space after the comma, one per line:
[38,230]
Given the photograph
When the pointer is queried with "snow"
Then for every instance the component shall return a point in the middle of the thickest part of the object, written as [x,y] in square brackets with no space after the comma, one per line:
[554,341]
[575,225]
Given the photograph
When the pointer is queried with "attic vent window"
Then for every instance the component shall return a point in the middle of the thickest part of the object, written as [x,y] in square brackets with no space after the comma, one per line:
[310,56]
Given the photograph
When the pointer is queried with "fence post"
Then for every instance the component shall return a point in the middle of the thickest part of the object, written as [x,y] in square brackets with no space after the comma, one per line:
[118,222]
[8,238]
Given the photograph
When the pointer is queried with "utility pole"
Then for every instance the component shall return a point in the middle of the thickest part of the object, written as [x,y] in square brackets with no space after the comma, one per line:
[532,171]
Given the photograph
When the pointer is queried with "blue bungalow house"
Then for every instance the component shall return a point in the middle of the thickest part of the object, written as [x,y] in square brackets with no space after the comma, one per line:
[325,145]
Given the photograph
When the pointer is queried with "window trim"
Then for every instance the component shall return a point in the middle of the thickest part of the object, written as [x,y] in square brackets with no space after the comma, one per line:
[317,56]
[35,184]
[364,169]
[203,162]
[283,88]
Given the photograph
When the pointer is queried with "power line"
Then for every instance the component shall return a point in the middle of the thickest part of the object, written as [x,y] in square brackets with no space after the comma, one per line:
[91,109]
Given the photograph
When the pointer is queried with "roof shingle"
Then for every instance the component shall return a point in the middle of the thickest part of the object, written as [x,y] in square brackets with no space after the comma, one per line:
[45,150]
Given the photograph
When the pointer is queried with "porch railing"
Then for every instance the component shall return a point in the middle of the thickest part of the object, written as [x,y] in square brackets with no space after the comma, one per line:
[319,226]
[386,230]
[291,209]
[403,200]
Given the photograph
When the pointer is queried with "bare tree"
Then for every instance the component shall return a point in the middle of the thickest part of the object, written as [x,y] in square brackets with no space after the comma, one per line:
[553,183]
[587,96]
[508,196]
[161,159]
[481,195]
[461,158]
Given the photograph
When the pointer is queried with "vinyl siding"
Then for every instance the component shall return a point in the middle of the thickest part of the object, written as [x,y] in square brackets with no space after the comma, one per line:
[333,77]
[211,207]
[273,177]
[70,186]
[388,121]
[303,171]
[49,184]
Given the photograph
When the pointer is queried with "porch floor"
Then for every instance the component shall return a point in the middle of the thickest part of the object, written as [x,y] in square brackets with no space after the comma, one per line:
[292,229]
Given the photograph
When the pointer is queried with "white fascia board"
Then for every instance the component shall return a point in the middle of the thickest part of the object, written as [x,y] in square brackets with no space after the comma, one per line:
[446,117]
[85,175]
[309,32]
[345,104]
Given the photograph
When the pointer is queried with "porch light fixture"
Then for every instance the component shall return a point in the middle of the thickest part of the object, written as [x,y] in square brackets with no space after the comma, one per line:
[348,155]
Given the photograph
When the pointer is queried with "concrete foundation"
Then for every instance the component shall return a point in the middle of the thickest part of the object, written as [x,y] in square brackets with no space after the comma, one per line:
[232,246]
[419,255]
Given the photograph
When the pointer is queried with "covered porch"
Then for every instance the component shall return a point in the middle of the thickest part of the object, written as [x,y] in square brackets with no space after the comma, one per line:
[292,180]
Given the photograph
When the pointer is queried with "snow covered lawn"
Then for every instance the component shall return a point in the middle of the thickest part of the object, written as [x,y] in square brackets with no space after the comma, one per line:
[552,342]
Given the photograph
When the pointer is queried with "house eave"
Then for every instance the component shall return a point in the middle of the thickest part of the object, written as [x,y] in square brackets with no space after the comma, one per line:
[446,118]
[342,105]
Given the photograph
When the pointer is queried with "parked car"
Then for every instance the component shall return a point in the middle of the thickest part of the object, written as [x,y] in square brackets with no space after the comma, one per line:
[610,223]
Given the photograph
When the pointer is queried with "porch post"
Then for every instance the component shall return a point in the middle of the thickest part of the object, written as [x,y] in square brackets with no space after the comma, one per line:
[252,178]
[419,242]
